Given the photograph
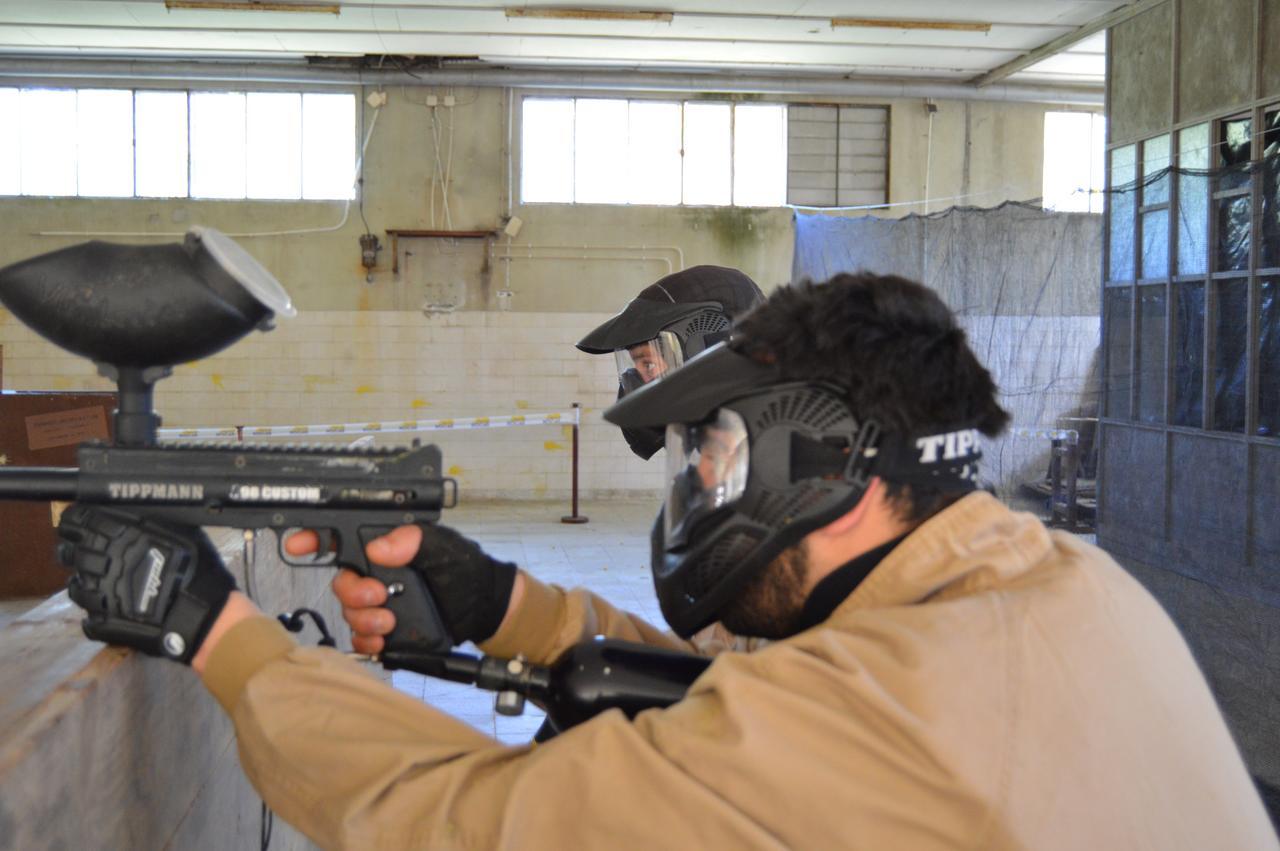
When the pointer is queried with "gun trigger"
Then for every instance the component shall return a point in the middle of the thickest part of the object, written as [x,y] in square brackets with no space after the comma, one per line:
[324,549]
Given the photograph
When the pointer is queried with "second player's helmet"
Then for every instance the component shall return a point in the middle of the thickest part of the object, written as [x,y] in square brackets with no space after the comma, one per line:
[668,323]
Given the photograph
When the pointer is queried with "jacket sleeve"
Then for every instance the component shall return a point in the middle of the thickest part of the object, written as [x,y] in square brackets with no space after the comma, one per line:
[551,619]
[354,764]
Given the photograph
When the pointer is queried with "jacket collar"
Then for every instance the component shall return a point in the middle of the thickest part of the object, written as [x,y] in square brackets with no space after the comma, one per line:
[828,594]
[964,546]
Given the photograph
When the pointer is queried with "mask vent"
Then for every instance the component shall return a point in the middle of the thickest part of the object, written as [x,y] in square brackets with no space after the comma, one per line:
[778,509]
[725,556]
[704,322]
[813,409]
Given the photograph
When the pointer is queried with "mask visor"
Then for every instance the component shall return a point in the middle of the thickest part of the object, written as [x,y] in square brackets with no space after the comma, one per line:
[647,362]
[707,466]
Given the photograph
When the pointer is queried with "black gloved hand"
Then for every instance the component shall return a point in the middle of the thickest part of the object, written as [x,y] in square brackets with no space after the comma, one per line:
[157,587]
[471,589]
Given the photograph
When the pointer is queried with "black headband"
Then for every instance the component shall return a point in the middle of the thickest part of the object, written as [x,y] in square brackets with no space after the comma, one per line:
[947,461]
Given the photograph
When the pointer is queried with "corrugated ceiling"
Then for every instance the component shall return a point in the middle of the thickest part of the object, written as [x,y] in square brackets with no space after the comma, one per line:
[758,36]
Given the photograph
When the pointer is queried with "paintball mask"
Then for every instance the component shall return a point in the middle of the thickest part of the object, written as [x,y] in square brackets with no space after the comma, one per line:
[650,339]
[670,322]
[755,463]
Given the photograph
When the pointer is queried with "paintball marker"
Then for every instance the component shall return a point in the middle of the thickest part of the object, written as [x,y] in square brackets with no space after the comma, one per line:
[136,311]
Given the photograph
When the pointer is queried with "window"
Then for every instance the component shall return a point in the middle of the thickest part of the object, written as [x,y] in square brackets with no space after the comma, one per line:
[838,156]
[606,151]
[1191,306]
[1074,143]
[109,143]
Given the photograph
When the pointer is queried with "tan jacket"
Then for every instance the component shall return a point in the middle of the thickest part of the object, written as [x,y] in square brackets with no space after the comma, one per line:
[990,685]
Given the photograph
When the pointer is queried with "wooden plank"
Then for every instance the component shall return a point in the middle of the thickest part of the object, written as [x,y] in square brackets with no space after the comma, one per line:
[255,6]
[560,14]
[913,24]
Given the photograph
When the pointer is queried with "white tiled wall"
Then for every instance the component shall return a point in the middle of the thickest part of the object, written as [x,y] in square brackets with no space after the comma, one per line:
[356,366]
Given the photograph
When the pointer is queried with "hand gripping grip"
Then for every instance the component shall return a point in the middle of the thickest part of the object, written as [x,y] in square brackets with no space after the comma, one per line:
[418,624]
[419,627]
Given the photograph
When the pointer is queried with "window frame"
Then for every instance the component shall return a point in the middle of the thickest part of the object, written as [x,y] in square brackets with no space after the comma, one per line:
[135,87]
[1093,191]
[1253,275]
[517,143]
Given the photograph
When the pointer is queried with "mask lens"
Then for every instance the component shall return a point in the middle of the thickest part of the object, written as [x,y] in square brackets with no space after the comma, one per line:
[647,362]
[707,467]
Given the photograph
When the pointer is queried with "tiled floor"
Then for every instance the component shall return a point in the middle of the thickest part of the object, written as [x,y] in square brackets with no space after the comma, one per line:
[609,555]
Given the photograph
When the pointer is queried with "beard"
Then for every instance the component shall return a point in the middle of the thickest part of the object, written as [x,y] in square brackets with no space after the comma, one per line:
[770,605]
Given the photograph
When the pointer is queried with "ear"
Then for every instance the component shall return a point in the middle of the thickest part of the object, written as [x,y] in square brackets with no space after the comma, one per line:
[851,518]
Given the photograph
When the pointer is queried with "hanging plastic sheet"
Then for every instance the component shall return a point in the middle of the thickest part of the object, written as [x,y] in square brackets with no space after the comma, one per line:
[1025,283]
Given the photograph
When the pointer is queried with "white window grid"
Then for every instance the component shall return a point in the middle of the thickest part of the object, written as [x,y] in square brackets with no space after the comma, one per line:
[332,175]
[742,189]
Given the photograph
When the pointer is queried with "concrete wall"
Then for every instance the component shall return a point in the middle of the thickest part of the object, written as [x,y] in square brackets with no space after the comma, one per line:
[331,366]
[365,350]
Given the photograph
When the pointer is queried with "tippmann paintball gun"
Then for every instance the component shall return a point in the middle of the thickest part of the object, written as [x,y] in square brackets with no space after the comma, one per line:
[136,311]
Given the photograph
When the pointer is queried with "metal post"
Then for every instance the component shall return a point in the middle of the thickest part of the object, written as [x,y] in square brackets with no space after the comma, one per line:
[1055,481]
[575,517]
[1072,462]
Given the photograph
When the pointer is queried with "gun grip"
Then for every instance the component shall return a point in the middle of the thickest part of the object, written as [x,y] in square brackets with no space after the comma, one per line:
[419,626]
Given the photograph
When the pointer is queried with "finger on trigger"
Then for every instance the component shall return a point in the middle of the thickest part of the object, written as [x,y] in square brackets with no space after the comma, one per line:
[302,542]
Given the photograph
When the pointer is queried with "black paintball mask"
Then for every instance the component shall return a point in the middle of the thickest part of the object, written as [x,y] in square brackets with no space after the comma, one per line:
[755,463]
[671,321]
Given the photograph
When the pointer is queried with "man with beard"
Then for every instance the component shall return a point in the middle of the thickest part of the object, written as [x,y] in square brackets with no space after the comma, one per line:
[945,672]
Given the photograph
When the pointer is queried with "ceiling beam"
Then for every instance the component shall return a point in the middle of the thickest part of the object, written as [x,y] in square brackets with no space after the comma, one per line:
[1063,42]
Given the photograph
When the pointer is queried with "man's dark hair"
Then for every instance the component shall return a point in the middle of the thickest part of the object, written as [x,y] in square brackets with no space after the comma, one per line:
[897,349]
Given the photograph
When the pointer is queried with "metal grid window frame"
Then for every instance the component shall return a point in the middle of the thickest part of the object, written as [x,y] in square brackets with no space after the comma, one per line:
[1253,275]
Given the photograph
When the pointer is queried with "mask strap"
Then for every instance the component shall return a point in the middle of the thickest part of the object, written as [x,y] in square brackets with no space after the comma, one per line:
[947,461]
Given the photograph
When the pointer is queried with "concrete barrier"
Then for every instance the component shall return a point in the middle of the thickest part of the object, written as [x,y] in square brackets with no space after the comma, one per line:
[103,748]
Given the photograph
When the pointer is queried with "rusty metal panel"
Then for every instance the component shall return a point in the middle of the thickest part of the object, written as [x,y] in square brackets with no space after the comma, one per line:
[1270,47]
[1141,97]
[1208,509]
[1265,515]
[1133,467]
[1216,55]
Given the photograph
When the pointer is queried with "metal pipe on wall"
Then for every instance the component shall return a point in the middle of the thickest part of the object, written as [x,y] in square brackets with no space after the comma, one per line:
[588,258]
[44,70]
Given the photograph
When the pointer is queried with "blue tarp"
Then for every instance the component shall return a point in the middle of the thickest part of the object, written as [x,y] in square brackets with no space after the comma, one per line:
[828,245]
